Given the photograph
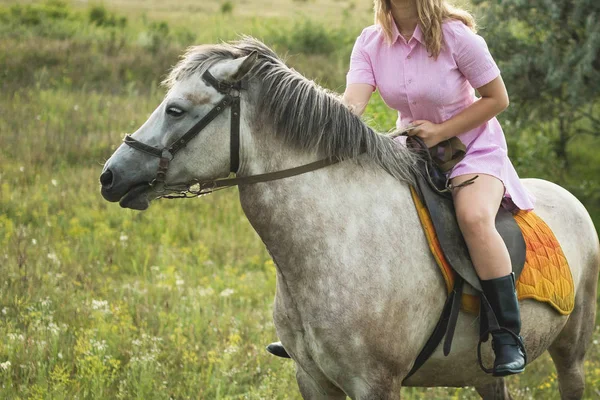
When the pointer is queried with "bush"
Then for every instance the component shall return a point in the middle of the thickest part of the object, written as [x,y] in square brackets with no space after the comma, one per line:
[227,7]
[310,37]
[100,16]
[36,14]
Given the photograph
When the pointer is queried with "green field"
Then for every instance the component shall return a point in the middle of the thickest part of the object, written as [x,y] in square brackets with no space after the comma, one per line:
[98,302]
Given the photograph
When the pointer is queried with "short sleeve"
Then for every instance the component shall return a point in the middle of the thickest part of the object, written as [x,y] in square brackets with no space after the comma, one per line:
[472,56]
[361,69]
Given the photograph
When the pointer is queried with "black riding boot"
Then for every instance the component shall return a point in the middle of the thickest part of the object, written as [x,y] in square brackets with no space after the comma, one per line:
[277,349]
[509,349]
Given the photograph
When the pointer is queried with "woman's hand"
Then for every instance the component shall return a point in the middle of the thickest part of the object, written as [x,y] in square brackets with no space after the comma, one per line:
[431,133]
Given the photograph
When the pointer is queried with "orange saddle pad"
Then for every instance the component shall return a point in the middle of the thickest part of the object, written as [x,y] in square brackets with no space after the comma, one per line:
[546,276]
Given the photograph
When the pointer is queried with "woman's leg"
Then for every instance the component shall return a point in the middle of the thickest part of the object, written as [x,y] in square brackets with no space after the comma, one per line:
[476,208]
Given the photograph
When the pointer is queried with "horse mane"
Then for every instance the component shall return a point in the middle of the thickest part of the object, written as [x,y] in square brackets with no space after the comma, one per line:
[302,113]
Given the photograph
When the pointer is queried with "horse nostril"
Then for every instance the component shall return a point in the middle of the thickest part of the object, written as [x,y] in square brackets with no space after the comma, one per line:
[106,179]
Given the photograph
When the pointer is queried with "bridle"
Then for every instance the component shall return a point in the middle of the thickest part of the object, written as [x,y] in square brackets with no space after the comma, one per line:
[195,188]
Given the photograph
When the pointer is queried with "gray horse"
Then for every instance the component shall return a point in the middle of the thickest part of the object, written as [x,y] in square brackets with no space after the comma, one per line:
[358,292]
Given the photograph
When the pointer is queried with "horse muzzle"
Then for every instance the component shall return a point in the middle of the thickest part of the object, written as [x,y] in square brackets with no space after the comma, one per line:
[136,196]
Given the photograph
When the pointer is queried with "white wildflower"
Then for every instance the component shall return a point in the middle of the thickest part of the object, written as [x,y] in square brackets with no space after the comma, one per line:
[179,282]
[5,365]
[76,107]
[4,310]
[54,182]
[206,291]
[22,168]
[59,355]
[155,268]
[33,242]
[100,305]
[54,258]
[99,345]
[227,292]
[123,238]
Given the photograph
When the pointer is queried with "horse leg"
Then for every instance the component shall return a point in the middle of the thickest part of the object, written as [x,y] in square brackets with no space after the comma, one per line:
[569,348]
[494,391]
[310,389]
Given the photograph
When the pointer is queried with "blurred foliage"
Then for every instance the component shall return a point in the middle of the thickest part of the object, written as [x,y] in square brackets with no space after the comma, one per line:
[549,53]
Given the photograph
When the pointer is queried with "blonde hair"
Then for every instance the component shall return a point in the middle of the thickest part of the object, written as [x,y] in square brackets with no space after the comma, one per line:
[432,13]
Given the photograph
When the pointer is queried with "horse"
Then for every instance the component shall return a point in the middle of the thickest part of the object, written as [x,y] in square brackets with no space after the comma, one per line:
[358,290]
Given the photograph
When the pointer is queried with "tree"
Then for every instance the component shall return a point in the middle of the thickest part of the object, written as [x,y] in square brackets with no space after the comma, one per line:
[549,54]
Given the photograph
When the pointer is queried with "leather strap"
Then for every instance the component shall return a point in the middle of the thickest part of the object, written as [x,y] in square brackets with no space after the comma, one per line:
[206,187]
[444,327]
[453,318]
[234,137]
[200,125]
[454,152]
[143,147]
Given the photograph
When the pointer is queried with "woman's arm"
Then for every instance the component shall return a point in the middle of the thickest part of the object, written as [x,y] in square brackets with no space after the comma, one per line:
[357,96]
[494,100]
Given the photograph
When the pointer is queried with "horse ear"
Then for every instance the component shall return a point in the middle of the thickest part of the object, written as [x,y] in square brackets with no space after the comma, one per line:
[245,67]
[234,70]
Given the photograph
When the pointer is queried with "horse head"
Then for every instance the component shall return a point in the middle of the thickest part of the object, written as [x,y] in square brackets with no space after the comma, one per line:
[189,132]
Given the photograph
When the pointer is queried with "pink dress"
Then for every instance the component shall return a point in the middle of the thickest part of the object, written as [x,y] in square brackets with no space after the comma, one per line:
[421,87]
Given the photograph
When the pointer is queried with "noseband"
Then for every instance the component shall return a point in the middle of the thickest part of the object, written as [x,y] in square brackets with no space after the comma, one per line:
[195,188]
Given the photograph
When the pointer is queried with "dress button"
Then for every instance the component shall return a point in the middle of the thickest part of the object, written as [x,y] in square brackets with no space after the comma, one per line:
[408,57]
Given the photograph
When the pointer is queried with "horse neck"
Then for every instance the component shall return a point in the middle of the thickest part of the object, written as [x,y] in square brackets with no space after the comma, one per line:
[308,216]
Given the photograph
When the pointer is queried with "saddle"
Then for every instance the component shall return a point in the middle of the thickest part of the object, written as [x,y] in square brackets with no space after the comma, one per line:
[434,191]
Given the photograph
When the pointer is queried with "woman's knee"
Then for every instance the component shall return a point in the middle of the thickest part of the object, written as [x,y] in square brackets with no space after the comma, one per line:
[474,220]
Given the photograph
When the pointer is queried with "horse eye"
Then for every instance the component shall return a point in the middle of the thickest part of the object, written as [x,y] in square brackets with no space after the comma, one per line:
[175,111]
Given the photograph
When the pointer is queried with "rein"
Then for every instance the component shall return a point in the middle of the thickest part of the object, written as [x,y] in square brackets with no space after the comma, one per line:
[196,188]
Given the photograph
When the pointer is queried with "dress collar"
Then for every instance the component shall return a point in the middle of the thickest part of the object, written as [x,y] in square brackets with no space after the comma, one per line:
[417,34]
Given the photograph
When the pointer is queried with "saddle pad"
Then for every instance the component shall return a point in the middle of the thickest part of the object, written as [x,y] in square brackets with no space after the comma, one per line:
[546,276]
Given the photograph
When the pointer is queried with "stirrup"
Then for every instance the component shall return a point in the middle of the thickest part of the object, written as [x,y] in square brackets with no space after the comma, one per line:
[484,338]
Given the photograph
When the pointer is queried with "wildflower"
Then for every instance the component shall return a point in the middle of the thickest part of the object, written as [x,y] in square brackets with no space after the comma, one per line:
[123,238]
[179,282]
[227,292]
[5,365]
[53,257]
[33,242]
[206,291]
[22,168]
[54,182]
[100,305]
[4,310]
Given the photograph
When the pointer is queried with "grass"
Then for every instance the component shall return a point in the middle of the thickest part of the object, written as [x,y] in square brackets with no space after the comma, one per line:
[97,302]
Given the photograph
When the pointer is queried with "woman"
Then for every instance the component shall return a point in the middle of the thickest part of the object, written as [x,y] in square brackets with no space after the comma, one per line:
[425,59]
